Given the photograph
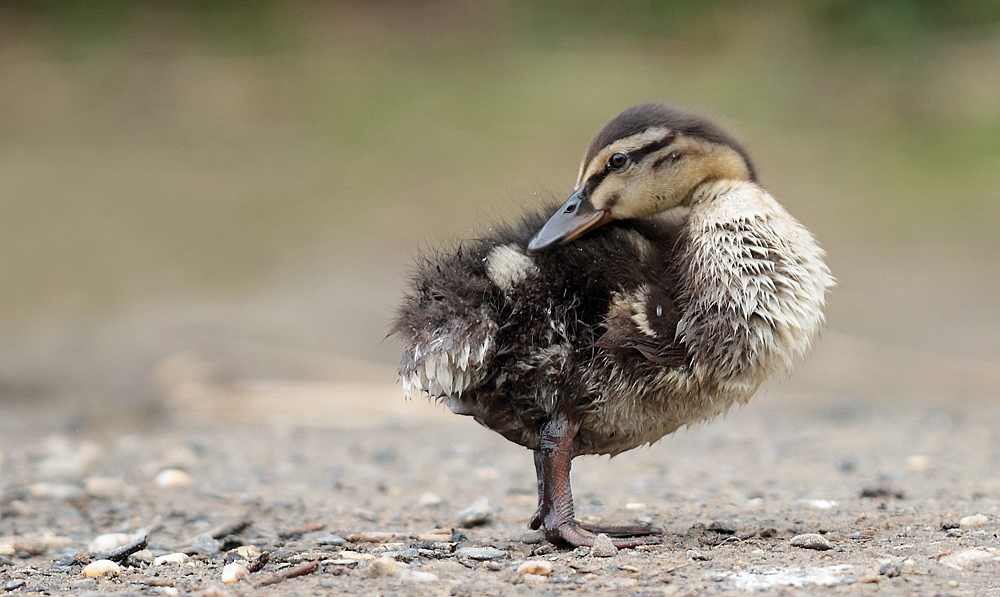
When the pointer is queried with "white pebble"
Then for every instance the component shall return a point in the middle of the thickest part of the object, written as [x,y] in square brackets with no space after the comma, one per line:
[811,541]
[102,569]
[234,572]
[965,559]
[538,567]
[823,504]
[171,558]
[7,549]
[417,576]
[603,547]
[976,520]
[635,506]
[429,500]
[103,487]
[108,541]
[173,477]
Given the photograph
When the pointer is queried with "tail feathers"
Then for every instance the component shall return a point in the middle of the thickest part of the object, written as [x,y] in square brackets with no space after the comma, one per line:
[446,362]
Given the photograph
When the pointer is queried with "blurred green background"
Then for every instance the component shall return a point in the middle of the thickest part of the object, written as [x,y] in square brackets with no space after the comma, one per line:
[248,182]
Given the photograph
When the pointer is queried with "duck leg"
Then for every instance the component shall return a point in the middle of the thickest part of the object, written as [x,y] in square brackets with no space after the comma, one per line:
[555,496]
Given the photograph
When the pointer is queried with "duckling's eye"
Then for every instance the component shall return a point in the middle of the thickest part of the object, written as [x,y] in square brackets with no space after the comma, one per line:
[617,161]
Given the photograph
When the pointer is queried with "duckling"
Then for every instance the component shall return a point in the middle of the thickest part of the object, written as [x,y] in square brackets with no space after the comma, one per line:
[666,289]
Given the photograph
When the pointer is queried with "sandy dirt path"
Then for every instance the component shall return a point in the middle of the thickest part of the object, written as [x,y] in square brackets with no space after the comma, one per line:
[366,497]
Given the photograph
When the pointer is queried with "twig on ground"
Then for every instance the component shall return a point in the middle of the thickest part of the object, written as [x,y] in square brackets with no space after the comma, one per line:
[120,553]
[287,573]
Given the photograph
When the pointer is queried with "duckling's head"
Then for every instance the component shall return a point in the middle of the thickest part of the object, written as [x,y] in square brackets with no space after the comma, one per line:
[647,160]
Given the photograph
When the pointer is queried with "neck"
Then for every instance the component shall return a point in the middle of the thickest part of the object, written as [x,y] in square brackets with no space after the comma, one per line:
[710,189]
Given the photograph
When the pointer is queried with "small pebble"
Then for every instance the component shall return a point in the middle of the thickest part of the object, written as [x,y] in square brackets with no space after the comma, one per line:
[534,578]
[108,541]
[55,491]
[603,547]
[811,541]
[417,576]
[890,570]
[248,552]
[102,569]
[536,567]
[966,559]
[722,526]
[33,546]
[429,500]
[635,506]
[480,553]
[976,520]
[384,566]
[205,544]
[104,487]
[823,504]
[532,537]
[767,533]
[172,477]
[331,540]
[13,585]
[170,558]
[234,572]
[477,514]
[407,554]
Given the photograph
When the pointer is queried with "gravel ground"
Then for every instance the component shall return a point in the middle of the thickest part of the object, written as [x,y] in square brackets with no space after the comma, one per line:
[899,499]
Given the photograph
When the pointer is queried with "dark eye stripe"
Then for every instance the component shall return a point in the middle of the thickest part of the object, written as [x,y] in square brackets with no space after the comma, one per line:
[642,152]
[635,156]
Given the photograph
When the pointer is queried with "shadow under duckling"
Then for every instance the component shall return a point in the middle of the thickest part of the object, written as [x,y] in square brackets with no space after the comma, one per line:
[665,289]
